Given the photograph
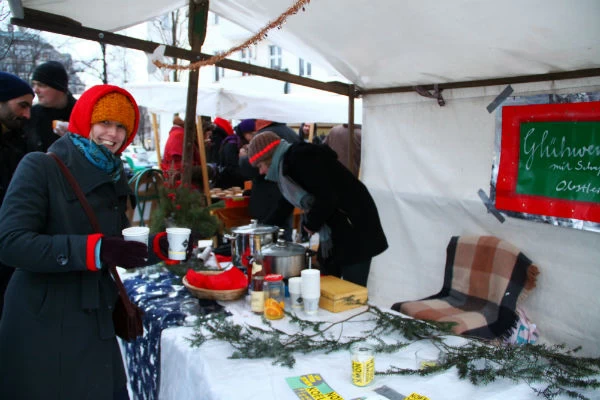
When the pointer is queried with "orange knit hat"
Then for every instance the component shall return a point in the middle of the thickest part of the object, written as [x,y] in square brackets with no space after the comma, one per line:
[115,106]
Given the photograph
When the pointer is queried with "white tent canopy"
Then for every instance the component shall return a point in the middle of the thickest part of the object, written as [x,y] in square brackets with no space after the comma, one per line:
[423,163]
[387,43]
[170,97]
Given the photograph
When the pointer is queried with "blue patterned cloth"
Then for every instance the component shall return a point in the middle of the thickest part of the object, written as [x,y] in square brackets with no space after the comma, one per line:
[159,293]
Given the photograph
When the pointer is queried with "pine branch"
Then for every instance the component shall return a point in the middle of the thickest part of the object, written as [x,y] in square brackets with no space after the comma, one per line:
[554,368]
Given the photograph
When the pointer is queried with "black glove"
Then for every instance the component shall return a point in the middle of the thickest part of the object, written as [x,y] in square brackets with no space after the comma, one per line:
[126,254]
[163,243]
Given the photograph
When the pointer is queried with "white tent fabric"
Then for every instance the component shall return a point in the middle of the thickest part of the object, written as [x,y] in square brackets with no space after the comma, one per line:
[423,163]
[170,97]
[386,43]
[391,43]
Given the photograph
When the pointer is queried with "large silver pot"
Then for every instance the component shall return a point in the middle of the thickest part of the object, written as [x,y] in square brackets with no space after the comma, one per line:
[242,240]
[284,258]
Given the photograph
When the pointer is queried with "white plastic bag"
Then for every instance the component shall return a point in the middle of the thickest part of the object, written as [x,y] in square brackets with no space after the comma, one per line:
[524,331]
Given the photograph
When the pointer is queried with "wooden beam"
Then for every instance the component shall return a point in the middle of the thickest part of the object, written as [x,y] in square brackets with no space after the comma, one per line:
[43,21]
[351,148]
[197,20]
[156,139]
[554,76]
[202,150]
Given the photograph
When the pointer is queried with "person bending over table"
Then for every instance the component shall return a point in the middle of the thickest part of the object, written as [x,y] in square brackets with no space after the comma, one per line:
[336,204]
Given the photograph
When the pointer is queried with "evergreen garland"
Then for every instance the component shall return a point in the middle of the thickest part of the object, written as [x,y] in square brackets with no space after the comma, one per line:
[554,368]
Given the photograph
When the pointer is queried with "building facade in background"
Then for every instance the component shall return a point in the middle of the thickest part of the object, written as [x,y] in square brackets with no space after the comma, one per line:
[23,50]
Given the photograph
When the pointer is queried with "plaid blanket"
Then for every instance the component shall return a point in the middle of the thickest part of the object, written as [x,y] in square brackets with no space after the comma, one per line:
[485,278]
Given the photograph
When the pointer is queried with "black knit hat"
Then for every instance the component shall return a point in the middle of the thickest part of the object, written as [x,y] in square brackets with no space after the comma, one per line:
[53,74]
[262,147]
[11,87]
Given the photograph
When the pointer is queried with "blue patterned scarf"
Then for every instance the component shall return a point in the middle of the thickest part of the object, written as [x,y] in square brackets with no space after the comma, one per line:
[98,155]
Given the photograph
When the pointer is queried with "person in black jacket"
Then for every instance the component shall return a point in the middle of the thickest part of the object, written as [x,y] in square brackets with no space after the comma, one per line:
[16,97]
[265,195]
[50,116]
[336,204]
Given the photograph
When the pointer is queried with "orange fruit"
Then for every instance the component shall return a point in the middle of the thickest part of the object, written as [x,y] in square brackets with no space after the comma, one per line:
[273,312]
[270,302]
[273,309]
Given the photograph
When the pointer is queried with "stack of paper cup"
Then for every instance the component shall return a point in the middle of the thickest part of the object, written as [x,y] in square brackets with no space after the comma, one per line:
[295,289]
[136,234]
[311,289]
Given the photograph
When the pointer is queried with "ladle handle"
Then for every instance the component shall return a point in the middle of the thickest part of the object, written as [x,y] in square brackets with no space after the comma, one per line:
[309,254]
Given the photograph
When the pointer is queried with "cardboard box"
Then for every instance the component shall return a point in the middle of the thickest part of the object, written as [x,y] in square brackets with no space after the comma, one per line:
[335,292]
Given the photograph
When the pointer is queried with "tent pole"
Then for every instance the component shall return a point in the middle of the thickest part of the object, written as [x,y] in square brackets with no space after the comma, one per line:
[200,134]
[351,155]
[197,21]
[156,138]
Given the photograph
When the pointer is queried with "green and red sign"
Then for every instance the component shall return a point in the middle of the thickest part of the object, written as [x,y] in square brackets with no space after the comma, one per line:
[550,160]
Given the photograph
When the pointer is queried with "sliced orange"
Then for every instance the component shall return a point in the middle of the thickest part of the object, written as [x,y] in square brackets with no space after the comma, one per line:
[273,312]
[270,302]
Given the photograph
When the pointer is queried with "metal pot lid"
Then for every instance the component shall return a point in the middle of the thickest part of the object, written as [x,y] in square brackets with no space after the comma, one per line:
[254,227]
[283,249]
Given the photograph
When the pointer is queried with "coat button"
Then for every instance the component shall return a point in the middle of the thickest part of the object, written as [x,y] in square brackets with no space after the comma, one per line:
[62,260]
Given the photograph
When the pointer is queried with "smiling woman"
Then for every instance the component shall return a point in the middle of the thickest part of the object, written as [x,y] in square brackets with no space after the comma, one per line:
[62,261]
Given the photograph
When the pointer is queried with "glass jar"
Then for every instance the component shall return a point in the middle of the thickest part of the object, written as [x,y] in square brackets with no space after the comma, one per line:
[363,364]
[274,292]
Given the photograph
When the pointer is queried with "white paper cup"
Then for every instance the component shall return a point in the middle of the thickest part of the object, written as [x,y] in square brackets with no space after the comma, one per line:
[178,242]
[310,283]
[296,300]
[311,305]
[136,234]
[295,284]
[295,289]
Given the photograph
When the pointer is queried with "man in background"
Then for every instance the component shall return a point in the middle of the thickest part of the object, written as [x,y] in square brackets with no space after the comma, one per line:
[16,97]
[50,116]
[338,138]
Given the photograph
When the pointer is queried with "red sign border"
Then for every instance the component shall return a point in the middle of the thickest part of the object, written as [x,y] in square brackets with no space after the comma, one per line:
[506,196]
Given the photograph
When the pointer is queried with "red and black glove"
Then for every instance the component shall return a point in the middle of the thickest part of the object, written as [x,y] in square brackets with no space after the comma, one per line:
[126,254]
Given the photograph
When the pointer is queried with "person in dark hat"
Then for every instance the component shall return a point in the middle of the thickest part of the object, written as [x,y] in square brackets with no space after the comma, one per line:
[50,116]
[265,195]
[16,97]
[336,204]
[222,129]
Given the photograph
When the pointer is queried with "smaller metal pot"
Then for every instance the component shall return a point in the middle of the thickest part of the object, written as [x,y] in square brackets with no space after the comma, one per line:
[284,258]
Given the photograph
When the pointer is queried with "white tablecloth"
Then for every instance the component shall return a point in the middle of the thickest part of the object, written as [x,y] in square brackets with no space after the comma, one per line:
[207,372]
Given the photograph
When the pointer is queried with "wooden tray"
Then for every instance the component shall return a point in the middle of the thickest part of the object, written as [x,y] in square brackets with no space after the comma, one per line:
[214,294]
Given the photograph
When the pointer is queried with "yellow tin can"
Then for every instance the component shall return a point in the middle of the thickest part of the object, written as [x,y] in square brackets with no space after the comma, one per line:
[363,364]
